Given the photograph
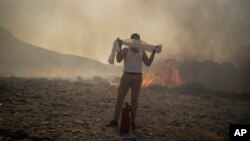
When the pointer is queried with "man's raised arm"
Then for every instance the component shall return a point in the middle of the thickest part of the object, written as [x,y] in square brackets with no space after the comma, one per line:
[121,54]
[148,61]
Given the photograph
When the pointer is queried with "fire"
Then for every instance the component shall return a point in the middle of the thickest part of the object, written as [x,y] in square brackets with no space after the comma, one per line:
[168,75]
[149,79]
[112,83]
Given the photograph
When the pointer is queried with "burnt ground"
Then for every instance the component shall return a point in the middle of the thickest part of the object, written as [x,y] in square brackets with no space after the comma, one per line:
[60,110]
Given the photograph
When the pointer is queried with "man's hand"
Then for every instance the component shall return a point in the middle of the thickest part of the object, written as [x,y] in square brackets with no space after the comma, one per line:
[119,41]
[155,49]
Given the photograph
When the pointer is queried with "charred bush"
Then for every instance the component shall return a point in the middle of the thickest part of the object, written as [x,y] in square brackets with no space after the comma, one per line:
[5,86]
[157,87]
[192,88]
[244,96]
[99,80]
[80,79]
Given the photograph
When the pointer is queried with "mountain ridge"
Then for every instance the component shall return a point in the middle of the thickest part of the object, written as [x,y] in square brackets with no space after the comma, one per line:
[21,58]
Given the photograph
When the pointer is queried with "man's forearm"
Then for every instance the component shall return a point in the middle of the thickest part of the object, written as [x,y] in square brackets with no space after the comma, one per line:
[119,56]
[151,58]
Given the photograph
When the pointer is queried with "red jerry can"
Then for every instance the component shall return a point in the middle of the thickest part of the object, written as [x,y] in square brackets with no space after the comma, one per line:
[125,119]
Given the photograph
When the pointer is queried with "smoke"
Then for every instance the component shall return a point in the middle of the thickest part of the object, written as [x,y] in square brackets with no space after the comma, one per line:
[216,30]
[188,29]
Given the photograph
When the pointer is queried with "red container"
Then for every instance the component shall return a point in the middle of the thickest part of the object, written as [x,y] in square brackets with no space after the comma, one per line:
[125,119]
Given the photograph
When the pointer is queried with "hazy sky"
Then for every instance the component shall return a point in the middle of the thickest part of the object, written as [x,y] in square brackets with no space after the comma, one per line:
[188,29]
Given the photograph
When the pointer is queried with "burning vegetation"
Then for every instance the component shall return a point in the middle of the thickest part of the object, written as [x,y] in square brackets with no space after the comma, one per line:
[168,75]
[207,74]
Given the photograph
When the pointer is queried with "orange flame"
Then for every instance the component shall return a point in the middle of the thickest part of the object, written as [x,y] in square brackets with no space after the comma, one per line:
[168,75]
[112,83]
[149,79]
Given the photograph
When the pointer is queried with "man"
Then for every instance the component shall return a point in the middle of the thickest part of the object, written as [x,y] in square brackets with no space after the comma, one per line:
[131,78]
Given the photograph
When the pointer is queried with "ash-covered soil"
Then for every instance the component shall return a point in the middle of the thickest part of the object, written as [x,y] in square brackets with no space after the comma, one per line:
[60,110]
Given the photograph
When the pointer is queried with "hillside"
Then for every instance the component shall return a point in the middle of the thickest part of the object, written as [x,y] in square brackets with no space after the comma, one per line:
[23,59]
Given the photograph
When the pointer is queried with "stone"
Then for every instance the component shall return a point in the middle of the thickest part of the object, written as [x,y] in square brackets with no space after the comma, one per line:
[19,134]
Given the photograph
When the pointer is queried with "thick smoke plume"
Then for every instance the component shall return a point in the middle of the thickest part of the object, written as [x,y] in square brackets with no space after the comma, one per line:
[188,29]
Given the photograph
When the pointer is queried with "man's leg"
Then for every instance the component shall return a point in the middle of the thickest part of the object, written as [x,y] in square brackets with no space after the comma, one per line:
[122,91]
[135,90]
